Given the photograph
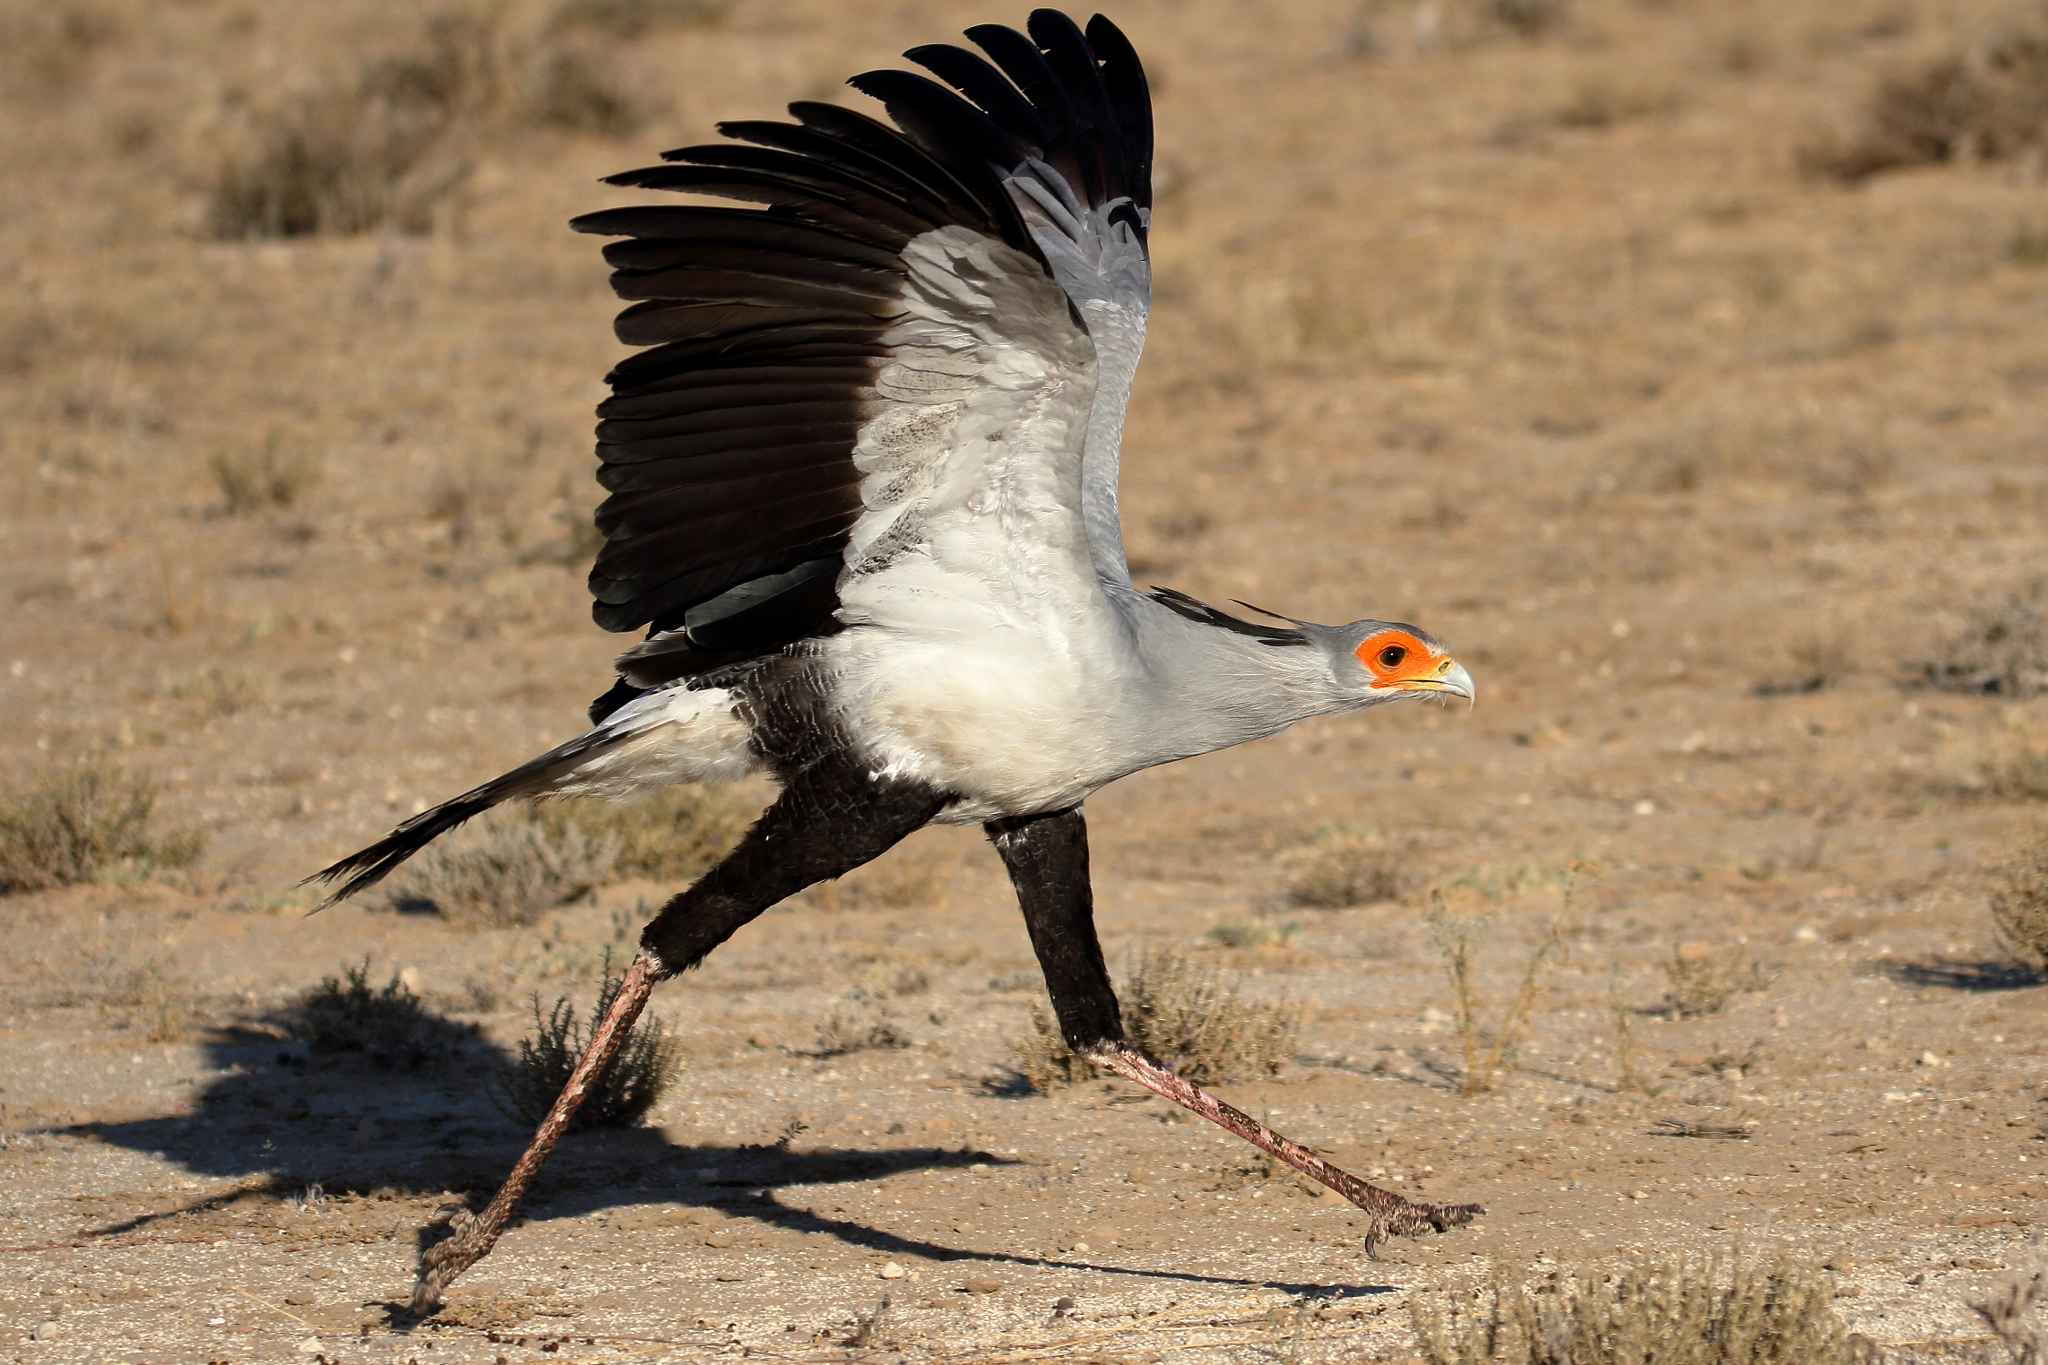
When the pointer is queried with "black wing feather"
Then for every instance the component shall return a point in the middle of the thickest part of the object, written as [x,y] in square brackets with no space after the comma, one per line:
[726,446]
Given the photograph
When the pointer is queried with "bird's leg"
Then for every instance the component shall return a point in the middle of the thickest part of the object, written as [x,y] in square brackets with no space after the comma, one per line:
[831,818]
[475,1236]
[1392,1216]
[1047,857]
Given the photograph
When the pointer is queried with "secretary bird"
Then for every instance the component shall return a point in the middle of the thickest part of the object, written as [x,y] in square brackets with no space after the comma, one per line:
[863,501]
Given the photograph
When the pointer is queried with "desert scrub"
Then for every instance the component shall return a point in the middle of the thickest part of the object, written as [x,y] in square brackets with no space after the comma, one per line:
[1487,1054]
[672,835]
[1702,981]
[388,1027]
[639,1073]
[1181,1013]
[273,474]
[2001,648]
[1984,104]
[1256,932]
[2019,905]
[2021,775]
[87,823]
[1720,1310]
[858,1024]
[507,869]
[390,143]
[860,1021]
[1341,867]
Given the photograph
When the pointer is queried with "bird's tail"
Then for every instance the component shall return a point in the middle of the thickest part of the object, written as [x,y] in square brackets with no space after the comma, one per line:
[367,867]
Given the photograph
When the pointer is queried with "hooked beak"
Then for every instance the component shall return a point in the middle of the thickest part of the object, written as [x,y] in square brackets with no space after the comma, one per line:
[1448,677]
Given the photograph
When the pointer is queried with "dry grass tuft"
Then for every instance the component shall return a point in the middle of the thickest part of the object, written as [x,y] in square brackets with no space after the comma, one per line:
[639,1074]
[389,1028]
[1988,104]
[1529,19]
[1717,1311]
[384,149]
[50,47]
[861,1022]
[1255,932]
[858,1023]
[1702,981]
[1341,867]
[2018,776]
[1181,1013]
[390,145]
[270,475]
[672,835]
[506,870]
[87,823]
[2002,647]
[2010,1311]
[2019,905]
[224,691]
[577,90]
[1454,938]
[630,18]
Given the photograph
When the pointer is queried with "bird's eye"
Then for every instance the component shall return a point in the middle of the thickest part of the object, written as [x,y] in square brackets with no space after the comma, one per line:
[1391,656]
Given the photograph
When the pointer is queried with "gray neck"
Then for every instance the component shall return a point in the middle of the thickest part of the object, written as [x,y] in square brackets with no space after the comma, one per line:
[1198,687]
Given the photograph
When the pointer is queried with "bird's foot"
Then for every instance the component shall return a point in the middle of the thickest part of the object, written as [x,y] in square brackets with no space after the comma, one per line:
[1405,1217]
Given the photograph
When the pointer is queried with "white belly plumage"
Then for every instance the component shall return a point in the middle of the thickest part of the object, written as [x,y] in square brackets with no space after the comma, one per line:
[1013,723]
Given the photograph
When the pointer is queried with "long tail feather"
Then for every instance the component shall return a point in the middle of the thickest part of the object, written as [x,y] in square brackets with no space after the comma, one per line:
[367,867]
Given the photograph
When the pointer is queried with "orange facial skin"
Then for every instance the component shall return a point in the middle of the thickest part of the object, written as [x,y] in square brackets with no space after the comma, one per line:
[1399,660]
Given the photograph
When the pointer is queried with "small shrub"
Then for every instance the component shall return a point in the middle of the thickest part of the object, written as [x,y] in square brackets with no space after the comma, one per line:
[269,476]
[1256,932]
[1601,103]
[1702,981]
[390,1028]
[382,150]
[86,823]
[506,871]
[224,691]
[2028,245]
[640,1072]
[1454,938]
[1529,19]
[631,18]
[1182,1014]
[1819,659]
[2010,1311]
[2002,647]
[1043,1058]
[1718,1311]
[1985,105]
[2019,905]
[48,49]
[1342,867]
[858,1023]
[672,835]
[2019,776]
[580,92]
[888,978]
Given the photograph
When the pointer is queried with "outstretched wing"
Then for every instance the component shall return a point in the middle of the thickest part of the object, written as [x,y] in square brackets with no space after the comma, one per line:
[905,300]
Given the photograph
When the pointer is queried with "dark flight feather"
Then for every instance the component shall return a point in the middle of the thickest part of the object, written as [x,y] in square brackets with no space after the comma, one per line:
[727,445]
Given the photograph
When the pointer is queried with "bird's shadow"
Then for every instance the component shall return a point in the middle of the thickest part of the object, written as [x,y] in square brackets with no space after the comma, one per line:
[284,1123]
[1962,974]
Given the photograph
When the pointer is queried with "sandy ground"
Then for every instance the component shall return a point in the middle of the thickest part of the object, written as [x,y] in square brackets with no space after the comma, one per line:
[1543,344]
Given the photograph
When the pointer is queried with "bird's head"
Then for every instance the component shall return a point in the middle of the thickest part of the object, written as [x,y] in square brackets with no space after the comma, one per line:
[1389,660]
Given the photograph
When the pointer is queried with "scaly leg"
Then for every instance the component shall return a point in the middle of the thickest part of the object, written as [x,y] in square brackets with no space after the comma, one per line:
[831,818]
[1047,857]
